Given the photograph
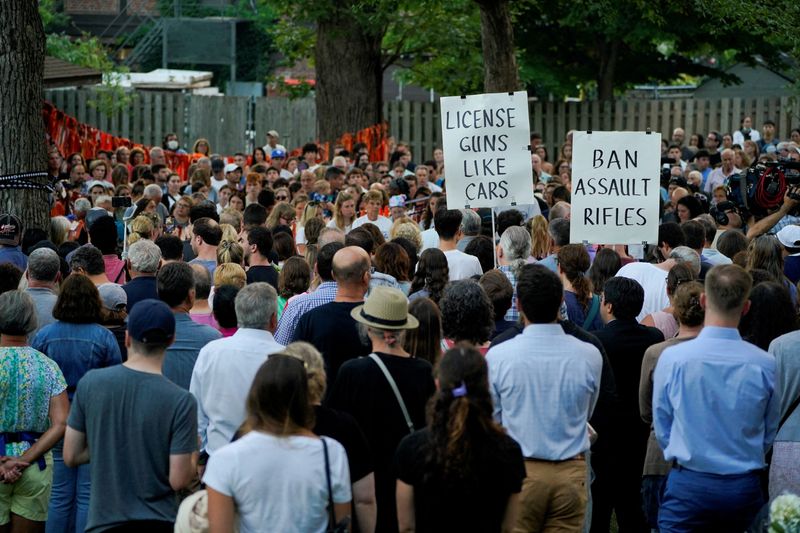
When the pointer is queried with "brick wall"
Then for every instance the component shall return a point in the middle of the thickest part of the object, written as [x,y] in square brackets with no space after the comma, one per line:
[140,6]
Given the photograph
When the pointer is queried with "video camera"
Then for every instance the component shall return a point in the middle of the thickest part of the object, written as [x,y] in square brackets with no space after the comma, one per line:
[762,187]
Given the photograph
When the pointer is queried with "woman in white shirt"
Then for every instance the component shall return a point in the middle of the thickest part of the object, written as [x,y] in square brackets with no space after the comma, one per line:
[313,209]
[275,475]
[344,212]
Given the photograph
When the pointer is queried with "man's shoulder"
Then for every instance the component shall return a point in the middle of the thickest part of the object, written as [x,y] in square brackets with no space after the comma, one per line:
[785,344]
[201,331]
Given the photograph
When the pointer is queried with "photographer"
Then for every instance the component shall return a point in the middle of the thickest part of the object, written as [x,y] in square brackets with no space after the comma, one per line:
[785,215]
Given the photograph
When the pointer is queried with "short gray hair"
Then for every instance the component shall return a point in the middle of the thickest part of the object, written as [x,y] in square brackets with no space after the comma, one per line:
[559,231]
[153,190]
[145,256]
[470,222]
[516,243]
[255,304]
[19,313]
[560,210]
[43,265]
[82,205]
[329,235]
[684,254]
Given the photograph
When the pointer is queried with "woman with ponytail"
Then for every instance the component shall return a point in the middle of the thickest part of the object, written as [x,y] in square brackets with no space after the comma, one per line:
[583,306]
[462,472]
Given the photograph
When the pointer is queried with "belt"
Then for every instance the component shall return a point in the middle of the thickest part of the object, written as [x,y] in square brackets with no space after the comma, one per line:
[579,457]
[11,437]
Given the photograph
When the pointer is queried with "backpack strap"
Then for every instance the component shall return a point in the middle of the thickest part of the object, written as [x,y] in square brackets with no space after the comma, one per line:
[396,391]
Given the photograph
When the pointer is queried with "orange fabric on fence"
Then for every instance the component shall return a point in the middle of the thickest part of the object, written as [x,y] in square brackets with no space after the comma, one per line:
[69,136]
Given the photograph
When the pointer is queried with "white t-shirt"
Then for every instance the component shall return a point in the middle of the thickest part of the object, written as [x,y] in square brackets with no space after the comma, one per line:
[218,184]
[332,224]
[654,282]
[300,236]
[278,483]
[384,224]
[462,266]
[430,239]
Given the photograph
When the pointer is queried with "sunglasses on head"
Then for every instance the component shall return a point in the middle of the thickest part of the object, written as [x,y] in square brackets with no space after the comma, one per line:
[281,197]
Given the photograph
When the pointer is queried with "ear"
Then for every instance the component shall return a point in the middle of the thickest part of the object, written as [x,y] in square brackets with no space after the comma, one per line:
[273,322]
[127,340]
[704,301]
[746,308]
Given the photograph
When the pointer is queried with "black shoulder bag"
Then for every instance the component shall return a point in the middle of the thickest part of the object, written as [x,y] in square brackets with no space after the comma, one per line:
[333,527]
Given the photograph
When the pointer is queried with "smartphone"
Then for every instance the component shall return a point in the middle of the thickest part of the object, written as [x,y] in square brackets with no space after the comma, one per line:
[121,201]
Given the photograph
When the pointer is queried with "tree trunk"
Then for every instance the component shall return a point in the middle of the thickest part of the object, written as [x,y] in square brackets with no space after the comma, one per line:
[349,90]
[22,138]
[608,67]
[497,38]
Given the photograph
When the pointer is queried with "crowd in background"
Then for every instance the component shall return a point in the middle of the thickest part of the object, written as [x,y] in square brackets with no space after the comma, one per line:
[287,344]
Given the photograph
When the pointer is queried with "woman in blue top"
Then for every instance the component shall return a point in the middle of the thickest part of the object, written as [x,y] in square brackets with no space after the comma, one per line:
[583,307]
[77,343]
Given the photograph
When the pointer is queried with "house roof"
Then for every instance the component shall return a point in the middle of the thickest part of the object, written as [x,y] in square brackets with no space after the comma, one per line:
[58,73]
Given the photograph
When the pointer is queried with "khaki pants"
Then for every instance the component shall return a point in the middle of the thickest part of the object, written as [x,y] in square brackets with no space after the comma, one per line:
[553,497]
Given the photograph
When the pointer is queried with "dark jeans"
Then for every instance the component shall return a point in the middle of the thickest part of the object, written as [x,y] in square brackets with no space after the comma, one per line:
[695,501]
[652,493]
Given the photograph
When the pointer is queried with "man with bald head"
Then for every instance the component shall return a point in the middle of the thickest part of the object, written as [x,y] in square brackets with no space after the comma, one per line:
[330,327]
[719,175]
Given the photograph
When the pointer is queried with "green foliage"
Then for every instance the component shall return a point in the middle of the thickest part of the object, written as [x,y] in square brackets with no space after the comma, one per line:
[86,51]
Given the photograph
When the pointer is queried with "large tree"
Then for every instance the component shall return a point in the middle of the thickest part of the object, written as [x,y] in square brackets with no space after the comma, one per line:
[605,45]
[351,43]
[499,53]
[22,138]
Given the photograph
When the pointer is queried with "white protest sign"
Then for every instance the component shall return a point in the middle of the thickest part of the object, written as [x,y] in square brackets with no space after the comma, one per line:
[485,139]
[615,187]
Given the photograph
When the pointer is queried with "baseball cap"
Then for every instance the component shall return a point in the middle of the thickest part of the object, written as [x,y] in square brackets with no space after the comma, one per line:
[230,167]
[278,153]
[789,236]
[273,133]
[10,229]
[151,322]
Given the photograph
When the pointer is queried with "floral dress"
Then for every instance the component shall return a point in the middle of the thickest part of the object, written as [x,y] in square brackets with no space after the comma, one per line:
[29,379]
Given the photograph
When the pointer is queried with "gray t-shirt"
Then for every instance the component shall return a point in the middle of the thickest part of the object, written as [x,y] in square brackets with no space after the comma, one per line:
[44,300]
[133,422]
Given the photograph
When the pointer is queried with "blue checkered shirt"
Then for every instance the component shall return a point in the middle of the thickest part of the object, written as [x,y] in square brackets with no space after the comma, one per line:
[512,315]
[301,305]
[788,220]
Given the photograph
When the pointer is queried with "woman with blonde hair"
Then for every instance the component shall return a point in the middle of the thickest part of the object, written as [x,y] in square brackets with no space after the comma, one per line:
[540,238]
[230,251]
[344,212]
[229,233]
[407,229]
[313,210]
[140,227]
[230,274]
[59,230]
[282,214]
[99,170]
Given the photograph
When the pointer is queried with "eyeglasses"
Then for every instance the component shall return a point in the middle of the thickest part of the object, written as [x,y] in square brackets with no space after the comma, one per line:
[282,198]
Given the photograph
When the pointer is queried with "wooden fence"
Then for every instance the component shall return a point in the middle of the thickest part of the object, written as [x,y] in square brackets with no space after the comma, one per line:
[231,122]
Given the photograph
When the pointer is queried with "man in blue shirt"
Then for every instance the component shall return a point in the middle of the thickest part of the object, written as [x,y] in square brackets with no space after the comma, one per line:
[545,385]
[715,415]
[176,289]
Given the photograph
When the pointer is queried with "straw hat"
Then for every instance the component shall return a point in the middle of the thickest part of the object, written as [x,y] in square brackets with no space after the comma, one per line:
[385,308]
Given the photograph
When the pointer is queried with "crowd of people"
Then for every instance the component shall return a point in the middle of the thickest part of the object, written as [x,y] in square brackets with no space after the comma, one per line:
[288,344]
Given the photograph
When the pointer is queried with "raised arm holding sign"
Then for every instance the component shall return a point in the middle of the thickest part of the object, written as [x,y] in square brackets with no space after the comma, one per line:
[615,187]
[486,139]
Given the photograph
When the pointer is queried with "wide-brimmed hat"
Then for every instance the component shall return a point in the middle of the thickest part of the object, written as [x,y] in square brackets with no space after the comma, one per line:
[385,308]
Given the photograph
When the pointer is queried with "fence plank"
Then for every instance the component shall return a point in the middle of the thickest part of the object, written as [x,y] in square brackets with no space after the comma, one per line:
[784,123]
[726,124]
[549,134]
[428,131]
[538,118]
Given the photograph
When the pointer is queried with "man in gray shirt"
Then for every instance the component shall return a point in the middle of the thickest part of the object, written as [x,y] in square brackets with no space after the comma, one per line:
[43,274]
[138,429]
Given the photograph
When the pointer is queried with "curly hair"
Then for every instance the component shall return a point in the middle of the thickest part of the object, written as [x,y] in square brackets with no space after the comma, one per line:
[392,259]
[463,433]
[686,303]
[432,274]
[295,277]
[467,313]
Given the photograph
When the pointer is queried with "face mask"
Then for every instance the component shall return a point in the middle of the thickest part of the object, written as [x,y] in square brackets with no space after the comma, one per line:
[172,145]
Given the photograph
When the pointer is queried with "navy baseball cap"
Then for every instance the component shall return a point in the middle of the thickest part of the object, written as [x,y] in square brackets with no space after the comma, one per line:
[151,322]
[278,153]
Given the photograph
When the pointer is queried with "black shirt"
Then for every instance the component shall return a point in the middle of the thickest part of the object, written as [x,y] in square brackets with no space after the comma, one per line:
[267,274]
[333,332]
[362,390]
[477,504]
[343,428]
